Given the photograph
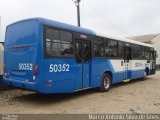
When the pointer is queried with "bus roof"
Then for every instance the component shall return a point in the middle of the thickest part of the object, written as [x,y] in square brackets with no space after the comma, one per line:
[81,30]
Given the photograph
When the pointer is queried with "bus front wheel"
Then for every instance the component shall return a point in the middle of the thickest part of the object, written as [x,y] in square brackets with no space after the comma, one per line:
[145,75]
[106,83]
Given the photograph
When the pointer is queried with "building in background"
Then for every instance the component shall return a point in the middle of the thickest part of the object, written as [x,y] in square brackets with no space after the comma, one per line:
[153,39]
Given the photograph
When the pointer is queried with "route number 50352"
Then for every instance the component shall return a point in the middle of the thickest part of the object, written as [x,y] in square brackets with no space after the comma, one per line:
[59,68]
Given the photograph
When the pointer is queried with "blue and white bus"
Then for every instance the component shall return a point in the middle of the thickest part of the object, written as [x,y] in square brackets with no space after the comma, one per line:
[52,57]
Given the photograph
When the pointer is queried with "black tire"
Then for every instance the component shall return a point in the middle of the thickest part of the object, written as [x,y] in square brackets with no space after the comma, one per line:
[1,83]
[106,83]
[145,75]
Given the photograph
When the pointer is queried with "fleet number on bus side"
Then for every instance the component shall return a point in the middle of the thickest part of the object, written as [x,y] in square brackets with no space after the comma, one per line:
[59,68]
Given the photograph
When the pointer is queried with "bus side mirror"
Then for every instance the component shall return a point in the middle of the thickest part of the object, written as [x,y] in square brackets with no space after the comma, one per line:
[156,55]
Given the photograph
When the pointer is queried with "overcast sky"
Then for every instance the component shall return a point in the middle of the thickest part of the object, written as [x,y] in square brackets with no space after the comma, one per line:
[115,17]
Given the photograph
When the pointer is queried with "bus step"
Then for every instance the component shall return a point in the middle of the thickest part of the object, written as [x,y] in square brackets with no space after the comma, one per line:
[127,80]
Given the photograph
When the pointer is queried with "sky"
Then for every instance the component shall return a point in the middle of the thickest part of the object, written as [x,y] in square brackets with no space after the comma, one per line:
[112,17]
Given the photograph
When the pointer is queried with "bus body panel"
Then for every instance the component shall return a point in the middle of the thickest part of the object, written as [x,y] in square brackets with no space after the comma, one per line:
[79,76]
[135,70]
[86,75]
[99,67]
[22,54]
[56,78]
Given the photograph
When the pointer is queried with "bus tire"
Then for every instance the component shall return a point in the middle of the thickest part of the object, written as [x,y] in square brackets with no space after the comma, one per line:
[145,75]
[106,83]
[1,83]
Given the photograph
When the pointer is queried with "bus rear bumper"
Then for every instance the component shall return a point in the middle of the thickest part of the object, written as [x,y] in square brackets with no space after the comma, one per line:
[20,84]
[59,86]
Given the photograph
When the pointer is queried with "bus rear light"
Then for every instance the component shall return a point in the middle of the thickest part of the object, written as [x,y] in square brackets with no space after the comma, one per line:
[36,70]
[36,67]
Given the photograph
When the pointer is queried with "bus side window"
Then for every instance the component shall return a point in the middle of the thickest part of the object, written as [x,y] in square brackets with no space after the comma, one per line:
[120,49]
[113,49]
[106,47]
[152,56]
[147,53]
[58,43]
[78,52]
[98,47]
[135,52]
[87,52]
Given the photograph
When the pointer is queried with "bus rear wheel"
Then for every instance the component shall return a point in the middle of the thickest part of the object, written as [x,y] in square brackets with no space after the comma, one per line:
[106,83]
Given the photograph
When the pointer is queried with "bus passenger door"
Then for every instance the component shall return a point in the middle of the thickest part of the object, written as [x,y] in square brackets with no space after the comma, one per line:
[127,62]
[83,58]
